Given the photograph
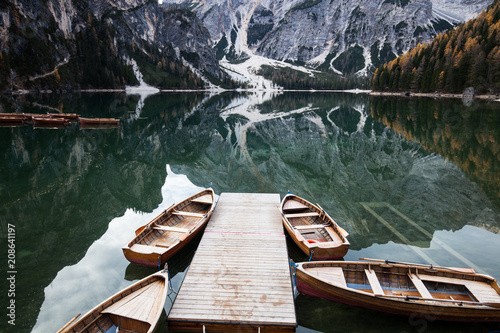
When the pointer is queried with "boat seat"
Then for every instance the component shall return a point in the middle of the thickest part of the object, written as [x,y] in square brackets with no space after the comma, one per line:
[204,199]
[308,214]
[165,228]
[146,249]
[333,275]
[421,288]
[188,214]
[374,282]
[312,226]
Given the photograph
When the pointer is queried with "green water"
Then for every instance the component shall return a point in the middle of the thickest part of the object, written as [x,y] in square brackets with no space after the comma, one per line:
[429,168]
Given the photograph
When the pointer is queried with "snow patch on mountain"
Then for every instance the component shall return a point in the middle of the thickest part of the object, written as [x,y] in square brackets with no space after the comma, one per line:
[246,72]
[457,11]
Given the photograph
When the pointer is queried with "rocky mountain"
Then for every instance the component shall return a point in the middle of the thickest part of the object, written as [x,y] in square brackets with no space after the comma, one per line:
[182,43]
[342,36]
[89,44]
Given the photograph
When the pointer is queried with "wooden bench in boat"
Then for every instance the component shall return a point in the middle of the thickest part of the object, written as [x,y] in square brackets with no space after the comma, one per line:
[374,282]
[188,214]
[146,249]
[482,291]
[138,309]
[421,288]
[204,199]
[311,226]
[335,237]
[174,229]
[308,214]
[333,275]
[292,205]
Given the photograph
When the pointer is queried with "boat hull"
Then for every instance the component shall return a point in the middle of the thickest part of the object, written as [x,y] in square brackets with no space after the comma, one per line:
[310,286]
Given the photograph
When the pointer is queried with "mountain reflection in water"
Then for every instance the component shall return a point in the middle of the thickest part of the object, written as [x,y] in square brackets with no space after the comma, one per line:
[410,180]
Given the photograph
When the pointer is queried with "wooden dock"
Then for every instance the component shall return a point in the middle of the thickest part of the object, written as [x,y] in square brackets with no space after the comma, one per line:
[239,279]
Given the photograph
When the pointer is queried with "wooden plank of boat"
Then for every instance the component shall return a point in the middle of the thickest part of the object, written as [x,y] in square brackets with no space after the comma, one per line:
[312,229]
[406,289]
[170,231]
[12,120]
[69,116]
[136,308]
[49,121]
[288,216]
[146,249]
[162,227]
[188,214]
[374,282]
[313,226]
[204,199]
[99,121]
[421,288]
[12,114]
[291,205]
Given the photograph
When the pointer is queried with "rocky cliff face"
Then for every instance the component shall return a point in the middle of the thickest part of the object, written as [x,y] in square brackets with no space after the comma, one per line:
[340,35]
[59,43]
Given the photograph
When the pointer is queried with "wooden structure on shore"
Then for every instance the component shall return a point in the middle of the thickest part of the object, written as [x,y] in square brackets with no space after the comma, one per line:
[239,279]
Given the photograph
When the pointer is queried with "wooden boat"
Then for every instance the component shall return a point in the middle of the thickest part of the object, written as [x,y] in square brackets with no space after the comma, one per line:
[48,121]
[99,121]
[30,116]
[170,231]
[312,229]
[12,120]
[134,309]
[404,289]
[68,116]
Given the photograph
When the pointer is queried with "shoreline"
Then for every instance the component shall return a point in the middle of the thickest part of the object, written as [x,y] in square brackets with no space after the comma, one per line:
[493,98]
[128,91]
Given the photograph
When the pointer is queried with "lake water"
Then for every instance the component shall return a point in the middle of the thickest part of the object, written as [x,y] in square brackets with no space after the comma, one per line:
[429,169]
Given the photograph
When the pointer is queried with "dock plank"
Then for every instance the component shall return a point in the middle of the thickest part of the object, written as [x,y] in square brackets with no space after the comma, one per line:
[240,273]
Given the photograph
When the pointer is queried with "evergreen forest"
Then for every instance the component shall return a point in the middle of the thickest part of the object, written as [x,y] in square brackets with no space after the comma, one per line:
[467,56]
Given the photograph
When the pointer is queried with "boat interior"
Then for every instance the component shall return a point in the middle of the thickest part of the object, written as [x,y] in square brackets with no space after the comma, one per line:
[170,227]
[309,223]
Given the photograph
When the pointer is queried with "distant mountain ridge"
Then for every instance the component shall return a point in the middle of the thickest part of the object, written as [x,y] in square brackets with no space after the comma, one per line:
[337,35]
[88,44]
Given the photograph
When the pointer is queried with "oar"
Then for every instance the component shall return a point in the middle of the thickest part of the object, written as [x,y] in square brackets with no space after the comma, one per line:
[69,323]
[454,269]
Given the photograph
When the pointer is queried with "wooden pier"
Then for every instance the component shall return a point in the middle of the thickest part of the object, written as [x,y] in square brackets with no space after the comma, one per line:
[239,279]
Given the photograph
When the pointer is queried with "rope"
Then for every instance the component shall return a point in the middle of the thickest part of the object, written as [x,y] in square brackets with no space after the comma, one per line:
[170,288]
[294,273]
[310,257]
